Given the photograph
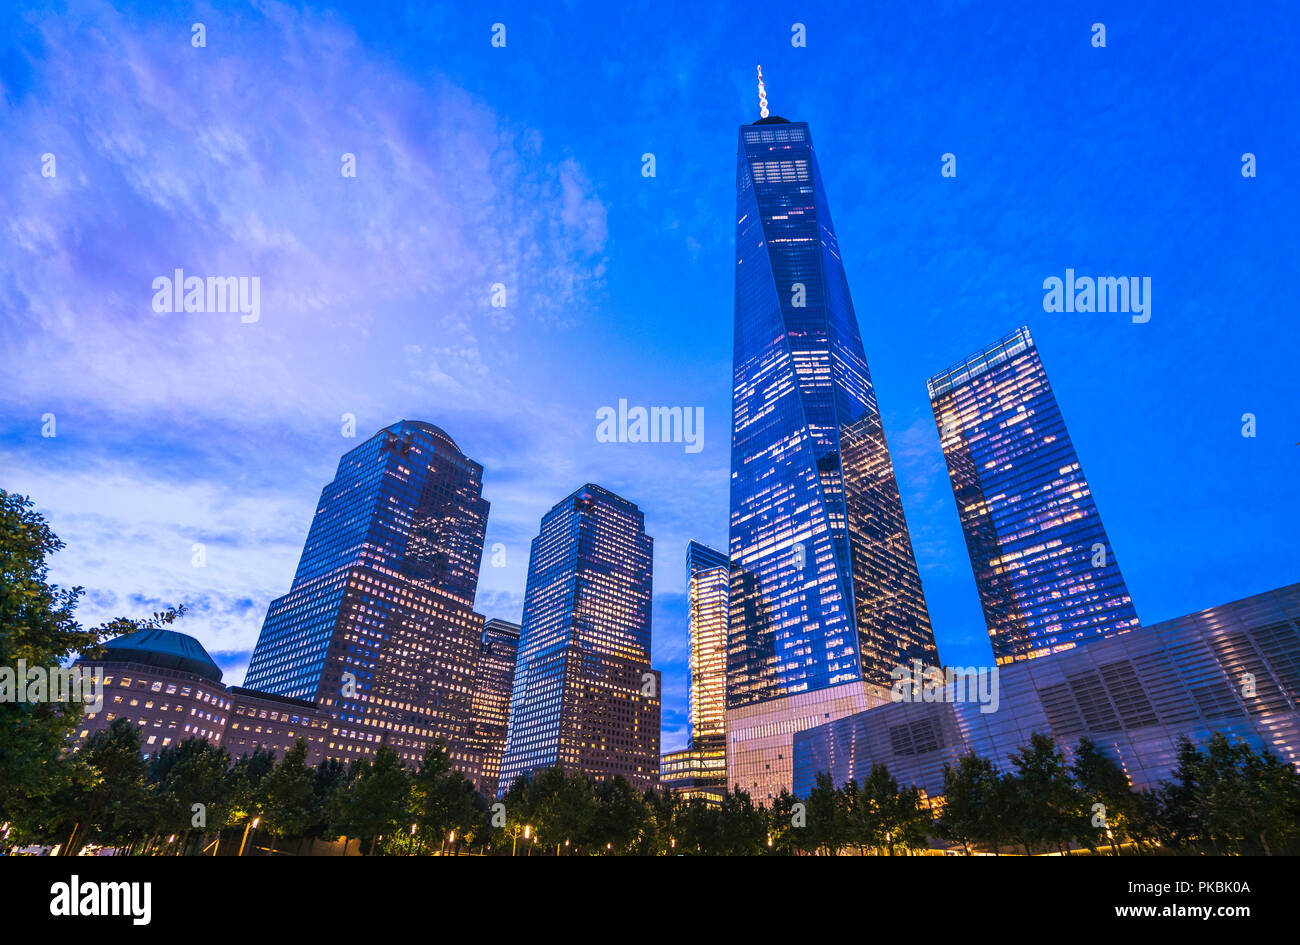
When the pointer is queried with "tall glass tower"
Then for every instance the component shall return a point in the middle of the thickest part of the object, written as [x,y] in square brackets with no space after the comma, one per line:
[708,588]
[1047,577]
[378,626]
[825,594]
[699,769]
[585,696]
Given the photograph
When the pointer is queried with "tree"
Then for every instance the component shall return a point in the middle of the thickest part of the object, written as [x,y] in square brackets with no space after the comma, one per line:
[444,803]
[782,836]
[889,817]
[665,809]
[1047,801]
[289,792]
[115,806]
[827,825]
[621,818]
[38,626]
[699,828]
[376,801]
[1228,796]
[743,831]
[191,772]
[1273,805]
[1170,813]
[1102,781]
[972,804]
[329,787]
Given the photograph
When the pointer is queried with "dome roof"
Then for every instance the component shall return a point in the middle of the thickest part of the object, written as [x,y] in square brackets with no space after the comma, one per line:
[163,648]
[437,432]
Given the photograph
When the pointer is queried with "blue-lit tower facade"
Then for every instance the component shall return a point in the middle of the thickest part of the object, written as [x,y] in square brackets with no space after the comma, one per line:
[378,626]
[585,696]
[1048,579]
[825,594]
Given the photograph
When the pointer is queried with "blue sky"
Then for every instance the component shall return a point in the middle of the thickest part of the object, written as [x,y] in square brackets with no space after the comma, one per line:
[522,165]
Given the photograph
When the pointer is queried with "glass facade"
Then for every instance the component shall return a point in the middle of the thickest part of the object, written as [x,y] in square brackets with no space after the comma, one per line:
[700,770]
[825,592]
[1134,695]
[378,625]
[1048,579]
[584,695]
[708,577]
[493,686]
[825,587]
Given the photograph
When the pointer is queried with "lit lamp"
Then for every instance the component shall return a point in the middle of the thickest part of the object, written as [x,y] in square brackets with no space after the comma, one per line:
[252,825]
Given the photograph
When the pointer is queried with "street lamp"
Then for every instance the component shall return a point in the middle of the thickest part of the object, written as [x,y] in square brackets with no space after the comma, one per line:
[252,825]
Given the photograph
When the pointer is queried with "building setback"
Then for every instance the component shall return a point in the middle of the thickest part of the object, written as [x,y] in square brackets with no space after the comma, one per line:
[378,627]
[825,594]
[1047,576]
[585,696]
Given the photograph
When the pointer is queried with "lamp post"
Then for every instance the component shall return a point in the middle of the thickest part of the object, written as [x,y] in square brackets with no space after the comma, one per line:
[514,838]
[252,825]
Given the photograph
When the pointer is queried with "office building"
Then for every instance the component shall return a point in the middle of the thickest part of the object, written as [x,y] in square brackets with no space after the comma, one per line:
[378,627]
[1047,576]
[700,768]
[493,686]
[825,594]
[585,696]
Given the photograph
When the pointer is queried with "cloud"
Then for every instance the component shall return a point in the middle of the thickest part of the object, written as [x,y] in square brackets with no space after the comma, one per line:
[141,543]
[169,157]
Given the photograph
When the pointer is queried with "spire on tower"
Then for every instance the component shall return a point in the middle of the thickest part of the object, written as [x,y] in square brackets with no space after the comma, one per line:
[762,94]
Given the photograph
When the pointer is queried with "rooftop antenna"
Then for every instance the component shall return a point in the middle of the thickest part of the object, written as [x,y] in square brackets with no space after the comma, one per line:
[762,93]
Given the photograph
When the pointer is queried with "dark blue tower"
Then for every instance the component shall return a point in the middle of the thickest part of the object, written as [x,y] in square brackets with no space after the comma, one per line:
[825,592]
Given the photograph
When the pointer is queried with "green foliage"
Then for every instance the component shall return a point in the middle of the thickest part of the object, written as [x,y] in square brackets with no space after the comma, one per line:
[1225,798]
[1044,800]
[973,800]
[375,803]
[38,626]
[444,804]
[289,794]
[889,817]
[191,772]
[115,806]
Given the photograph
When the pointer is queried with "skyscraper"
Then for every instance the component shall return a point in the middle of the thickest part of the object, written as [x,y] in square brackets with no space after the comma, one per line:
[709,576]
[585,696]
[378,626]
[825,594]
[700,768]
[493,686]
[1047,577]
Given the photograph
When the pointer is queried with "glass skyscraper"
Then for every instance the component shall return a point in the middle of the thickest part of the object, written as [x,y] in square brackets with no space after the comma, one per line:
[825,594]
[1048,579]
[378,626]
[708,576]
[493,687]
[700,768]
[585,696]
